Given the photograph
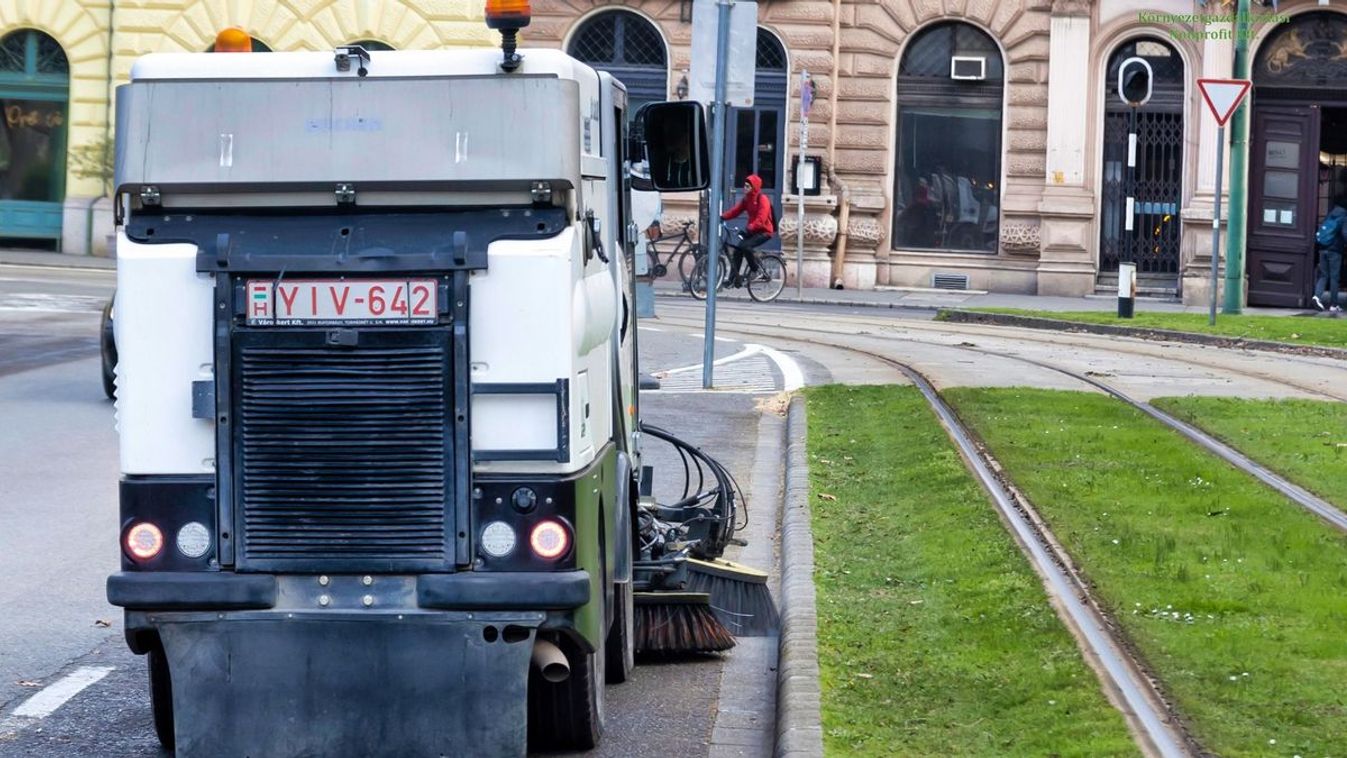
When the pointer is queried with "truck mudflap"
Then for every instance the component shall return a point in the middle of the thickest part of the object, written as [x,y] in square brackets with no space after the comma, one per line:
[273,683]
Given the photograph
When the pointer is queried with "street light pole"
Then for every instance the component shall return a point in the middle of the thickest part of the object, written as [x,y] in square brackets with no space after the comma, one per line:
[1239,173]
[717,169]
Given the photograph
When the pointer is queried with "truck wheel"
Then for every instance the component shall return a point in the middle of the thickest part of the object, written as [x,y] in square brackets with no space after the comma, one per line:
[108,348]
[567,715]
[620,646]
[161,697]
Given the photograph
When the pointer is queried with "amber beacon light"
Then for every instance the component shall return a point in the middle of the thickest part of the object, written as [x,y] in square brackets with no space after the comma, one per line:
[233,40]
[508,17]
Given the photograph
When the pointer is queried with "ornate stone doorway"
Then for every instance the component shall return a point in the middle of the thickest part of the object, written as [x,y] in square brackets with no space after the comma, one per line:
[1297,152]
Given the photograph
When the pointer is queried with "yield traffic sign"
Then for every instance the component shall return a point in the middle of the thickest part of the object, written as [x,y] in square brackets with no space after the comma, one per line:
[1223,96]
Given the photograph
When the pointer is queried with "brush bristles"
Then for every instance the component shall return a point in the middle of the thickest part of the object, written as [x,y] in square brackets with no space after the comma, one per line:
[728,570]
[686,624]
[744,606]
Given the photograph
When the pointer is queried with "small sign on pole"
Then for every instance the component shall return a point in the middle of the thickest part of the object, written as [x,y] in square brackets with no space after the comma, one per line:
[1222,96]
[806,102]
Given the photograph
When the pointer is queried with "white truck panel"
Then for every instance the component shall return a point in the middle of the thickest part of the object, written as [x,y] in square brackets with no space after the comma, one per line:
[166,306]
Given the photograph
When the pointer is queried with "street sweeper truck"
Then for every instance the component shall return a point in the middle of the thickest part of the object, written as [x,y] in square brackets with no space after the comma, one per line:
[376,393]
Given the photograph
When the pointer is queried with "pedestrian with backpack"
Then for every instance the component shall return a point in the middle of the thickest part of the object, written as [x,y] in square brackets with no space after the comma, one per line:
[1330,239]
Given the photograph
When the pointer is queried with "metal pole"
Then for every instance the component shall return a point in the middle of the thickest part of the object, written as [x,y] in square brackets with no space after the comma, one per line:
[1216,223]
[1239,172]
[799,192]
[717,168]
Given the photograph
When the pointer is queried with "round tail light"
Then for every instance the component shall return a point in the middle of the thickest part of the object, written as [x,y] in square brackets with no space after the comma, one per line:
[144,541]
[550,540]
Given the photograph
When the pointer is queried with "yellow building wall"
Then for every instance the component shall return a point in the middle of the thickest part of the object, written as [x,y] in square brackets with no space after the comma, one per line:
[147,26]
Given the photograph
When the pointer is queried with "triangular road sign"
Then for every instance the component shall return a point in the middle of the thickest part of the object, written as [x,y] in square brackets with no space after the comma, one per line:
[1223,96]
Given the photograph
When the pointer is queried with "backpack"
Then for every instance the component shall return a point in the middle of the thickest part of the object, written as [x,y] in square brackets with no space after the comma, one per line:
[1330,229]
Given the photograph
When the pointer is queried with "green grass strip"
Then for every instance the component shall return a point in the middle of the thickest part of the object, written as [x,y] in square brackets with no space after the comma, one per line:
[1303,440]
[1236,598]
[935,635]
[1326,332]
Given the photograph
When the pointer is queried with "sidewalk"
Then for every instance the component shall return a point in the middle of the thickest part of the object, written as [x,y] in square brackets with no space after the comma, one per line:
[55,260]
[926,299]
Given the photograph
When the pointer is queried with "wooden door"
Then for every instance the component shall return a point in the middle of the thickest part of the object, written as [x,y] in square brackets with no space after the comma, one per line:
[1282,217]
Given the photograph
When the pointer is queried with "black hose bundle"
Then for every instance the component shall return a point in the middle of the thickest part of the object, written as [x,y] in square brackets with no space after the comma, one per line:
[708,508]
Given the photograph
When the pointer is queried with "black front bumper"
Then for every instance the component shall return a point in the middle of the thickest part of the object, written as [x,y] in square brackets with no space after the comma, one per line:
[220,591]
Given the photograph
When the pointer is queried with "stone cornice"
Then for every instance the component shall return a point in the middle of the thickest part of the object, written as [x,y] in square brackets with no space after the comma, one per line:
[1071,7]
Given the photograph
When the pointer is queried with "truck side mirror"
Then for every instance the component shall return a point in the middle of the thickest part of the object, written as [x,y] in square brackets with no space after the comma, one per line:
[676,146]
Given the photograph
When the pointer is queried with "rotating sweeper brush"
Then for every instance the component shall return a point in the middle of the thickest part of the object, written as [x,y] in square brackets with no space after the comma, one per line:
[690,599]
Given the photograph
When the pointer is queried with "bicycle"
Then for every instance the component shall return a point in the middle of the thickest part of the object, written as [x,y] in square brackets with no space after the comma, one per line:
[687,250]
[764,285]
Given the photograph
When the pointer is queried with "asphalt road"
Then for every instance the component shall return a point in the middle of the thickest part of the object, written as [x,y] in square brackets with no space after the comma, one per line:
[58,539]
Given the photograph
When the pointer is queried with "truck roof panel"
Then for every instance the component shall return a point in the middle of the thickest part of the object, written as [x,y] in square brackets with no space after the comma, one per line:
[319,65]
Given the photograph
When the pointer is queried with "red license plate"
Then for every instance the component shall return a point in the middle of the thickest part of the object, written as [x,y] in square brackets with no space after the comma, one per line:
[339,301]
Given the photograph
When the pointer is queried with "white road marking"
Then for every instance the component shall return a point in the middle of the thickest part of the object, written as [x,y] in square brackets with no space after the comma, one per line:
[649,329]
[701,336]
[30,302]
[791,375]
[742,354]
[54,695]
[49,698]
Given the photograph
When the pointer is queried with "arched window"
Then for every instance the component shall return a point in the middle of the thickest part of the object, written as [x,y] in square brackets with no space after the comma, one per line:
[630,48]
[1305,54]
[948,166]
[754,144]
[373,45]
[1156,182]
[34,92]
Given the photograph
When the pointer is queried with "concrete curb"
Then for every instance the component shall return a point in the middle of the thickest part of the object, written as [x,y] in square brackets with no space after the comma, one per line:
[789,299]
[960,316]
[799,721]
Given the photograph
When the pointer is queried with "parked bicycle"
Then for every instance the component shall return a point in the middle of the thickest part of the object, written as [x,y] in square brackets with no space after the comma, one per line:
[763,285]
[686,251]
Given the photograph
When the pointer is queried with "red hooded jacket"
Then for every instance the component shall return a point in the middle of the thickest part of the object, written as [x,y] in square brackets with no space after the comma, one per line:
[758,207]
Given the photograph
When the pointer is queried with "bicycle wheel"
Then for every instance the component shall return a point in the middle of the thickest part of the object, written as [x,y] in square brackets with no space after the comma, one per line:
[696,279]
[769,280]
[686,261]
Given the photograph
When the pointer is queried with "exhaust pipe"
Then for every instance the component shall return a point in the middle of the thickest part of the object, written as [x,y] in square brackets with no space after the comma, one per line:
[550,661]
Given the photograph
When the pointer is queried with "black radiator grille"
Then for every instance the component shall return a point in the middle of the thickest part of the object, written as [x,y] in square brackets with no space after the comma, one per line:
[343,455]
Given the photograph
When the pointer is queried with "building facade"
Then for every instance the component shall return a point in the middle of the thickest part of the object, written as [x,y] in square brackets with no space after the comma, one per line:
[982,144]
[965,144]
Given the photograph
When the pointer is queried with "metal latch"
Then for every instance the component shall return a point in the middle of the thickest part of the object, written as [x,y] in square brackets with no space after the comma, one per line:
[345,193]
[149,195]
[541,192]
[203,399]
[343,338]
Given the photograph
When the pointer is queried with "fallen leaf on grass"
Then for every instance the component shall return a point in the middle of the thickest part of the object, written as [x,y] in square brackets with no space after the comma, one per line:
[29,683]
[826,496]
[865,676]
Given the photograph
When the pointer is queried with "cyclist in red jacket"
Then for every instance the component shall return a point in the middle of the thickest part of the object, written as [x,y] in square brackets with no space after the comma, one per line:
[760,228]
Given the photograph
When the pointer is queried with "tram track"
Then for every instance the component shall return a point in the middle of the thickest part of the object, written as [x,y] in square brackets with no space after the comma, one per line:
[1135,692]
[1140,348]
[1158,727]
